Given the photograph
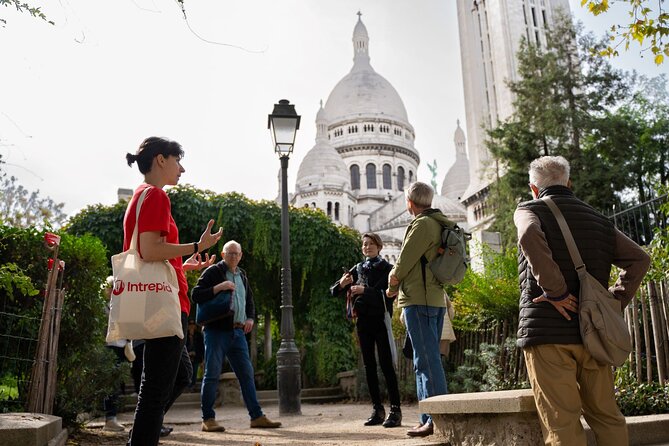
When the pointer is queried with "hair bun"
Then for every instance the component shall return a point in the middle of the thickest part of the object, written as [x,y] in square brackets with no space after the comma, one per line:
[130,158]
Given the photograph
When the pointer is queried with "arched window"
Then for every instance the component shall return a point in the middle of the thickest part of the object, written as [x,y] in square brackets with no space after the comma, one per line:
[371,176]
[400,178]
[410,177]
[336,215]
[330,209]
[313,205]
[387,180]
[355,177]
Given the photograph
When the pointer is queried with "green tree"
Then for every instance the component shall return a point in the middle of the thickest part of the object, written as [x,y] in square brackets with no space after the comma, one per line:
[20,6]
[649,21]
[635,138]
[562,96]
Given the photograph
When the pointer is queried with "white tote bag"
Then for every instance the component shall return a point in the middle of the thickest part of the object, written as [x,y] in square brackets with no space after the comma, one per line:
[145,298]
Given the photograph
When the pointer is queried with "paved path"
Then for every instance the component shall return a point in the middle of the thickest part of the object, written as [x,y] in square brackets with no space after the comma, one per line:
[320,424]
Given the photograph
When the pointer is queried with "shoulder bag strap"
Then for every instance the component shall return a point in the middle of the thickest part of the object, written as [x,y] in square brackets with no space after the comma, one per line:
[566,233]
[133,240]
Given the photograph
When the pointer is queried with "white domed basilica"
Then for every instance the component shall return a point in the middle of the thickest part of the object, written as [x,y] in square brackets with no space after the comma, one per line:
[364,156]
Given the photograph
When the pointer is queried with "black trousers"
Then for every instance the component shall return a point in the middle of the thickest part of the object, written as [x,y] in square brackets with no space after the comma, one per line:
[373,336]
[167,372]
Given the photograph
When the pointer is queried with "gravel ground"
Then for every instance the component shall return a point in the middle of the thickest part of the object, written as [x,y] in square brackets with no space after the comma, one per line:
[319,424]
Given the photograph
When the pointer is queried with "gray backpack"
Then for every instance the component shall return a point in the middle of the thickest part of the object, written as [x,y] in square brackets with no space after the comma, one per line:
[450,265]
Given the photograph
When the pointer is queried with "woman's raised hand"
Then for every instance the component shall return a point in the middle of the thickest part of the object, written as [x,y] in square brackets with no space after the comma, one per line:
[209,239]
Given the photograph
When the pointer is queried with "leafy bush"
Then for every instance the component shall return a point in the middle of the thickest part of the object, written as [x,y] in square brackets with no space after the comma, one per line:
[483,371]
[85,368]
[643,399]
[491,294]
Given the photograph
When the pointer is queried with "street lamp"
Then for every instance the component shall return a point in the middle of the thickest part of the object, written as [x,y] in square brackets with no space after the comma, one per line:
[283,123]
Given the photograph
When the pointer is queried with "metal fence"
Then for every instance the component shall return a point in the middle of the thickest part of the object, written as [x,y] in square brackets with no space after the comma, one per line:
[17,354]
[639,222]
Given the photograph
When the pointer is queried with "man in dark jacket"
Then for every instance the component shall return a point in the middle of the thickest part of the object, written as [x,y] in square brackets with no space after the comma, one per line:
[566,380]
[225,337]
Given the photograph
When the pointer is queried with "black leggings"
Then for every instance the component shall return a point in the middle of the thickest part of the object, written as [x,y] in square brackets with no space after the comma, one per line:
[379,338]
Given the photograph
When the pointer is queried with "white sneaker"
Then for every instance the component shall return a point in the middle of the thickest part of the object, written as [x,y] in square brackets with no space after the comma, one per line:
[111,425]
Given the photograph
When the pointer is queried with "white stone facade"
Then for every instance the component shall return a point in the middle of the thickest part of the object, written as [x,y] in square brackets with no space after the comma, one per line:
[490,36]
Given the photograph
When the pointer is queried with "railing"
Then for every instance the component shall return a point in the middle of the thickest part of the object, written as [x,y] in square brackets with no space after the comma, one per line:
[638,222]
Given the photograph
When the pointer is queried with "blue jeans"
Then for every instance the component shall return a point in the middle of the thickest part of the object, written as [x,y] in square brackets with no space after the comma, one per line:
[167,372]
[217,345]
[424,325]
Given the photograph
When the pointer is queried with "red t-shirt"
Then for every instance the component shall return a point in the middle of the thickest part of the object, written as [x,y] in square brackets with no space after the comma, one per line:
[156,215]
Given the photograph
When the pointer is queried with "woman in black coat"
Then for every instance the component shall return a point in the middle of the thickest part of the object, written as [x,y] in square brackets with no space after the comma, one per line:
[365,285]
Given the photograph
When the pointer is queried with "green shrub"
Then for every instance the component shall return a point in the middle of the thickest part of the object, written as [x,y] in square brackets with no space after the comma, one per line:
[643,399]
[483,371]
[86,370]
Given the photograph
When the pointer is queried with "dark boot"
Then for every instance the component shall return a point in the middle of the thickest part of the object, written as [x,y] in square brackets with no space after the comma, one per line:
[378,414]
[394,418]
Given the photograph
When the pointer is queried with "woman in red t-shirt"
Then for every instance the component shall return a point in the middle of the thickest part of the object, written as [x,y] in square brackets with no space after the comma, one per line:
[167,368]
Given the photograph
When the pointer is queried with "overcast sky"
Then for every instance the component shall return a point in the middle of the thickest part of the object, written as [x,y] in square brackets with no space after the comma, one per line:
[75,97]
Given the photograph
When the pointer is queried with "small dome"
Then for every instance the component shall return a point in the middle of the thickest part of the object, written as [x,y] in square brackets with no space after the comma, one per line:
[457,178]
[452,209]
[322,165]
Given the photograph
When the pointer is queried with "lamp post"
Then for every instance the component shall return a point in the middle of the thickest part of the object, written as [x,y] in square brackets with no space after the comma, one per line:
[283,123]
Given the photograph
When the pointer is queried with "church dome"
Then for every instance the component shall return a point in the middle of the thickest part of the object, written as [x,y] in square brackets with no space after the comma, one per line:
[452,209]
[322,165]
[364,92]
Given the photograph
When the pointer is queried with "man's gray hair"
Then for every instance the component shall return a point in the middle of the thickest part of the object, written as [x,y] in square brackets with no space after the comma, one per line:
[420,194]
[549,171]
[231,243]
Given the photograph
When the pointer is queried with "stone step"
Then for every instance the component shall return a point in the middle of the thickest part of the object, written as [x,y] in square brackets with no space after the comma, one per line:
[320,395]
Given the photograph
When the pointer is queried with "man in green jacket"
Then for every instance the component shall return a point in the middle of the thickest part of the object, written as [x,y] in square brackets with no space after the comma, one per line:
[421,296]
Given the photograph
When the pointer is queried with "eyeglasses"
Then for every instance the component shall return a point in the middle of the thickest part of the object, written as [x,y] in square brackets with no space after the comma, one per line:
[232,254]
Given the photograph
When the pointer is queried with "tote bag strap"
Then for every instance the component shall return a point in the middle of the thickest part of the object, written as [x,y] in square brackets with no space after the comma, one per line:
[566,233]
[133,240]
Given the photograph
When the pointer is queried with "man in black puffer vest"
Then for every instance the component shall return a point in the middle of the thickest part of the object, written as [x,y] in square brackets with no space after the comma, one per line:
[565,379]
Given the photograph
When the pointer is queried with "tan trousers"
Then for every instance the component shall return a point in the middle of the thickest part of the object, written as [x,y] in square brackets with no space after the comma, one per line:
[566,380]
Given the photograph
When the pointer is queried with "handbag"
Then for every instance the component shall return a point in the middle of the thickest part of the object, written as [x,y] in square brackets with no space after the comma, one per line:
[603,328]
[145,297]
[389,330]
[214,309]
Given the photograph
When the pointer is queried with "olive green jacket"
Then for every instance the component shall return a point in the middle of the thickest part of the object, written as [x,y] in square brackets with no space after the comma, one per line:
[422,237]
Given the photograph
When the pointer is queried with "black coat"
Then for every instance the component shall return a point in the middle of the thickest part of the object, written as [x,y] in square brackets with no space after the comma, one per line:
[369,305]
[203,292]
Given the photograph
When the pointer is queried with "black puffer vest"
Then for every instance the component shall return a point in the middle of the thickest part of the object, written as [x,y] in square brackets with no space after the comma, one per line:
[594,234]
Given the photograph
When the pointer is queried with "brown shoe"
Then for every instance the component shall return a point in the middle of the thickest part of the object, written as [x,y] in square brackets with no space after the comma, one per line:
[210,425]
[422,430]
[264,422]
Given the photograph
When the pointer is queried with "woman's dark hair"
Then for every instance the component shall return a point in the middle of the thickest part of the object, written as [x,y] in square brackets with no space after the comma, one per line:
[152,147]
[375,238]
